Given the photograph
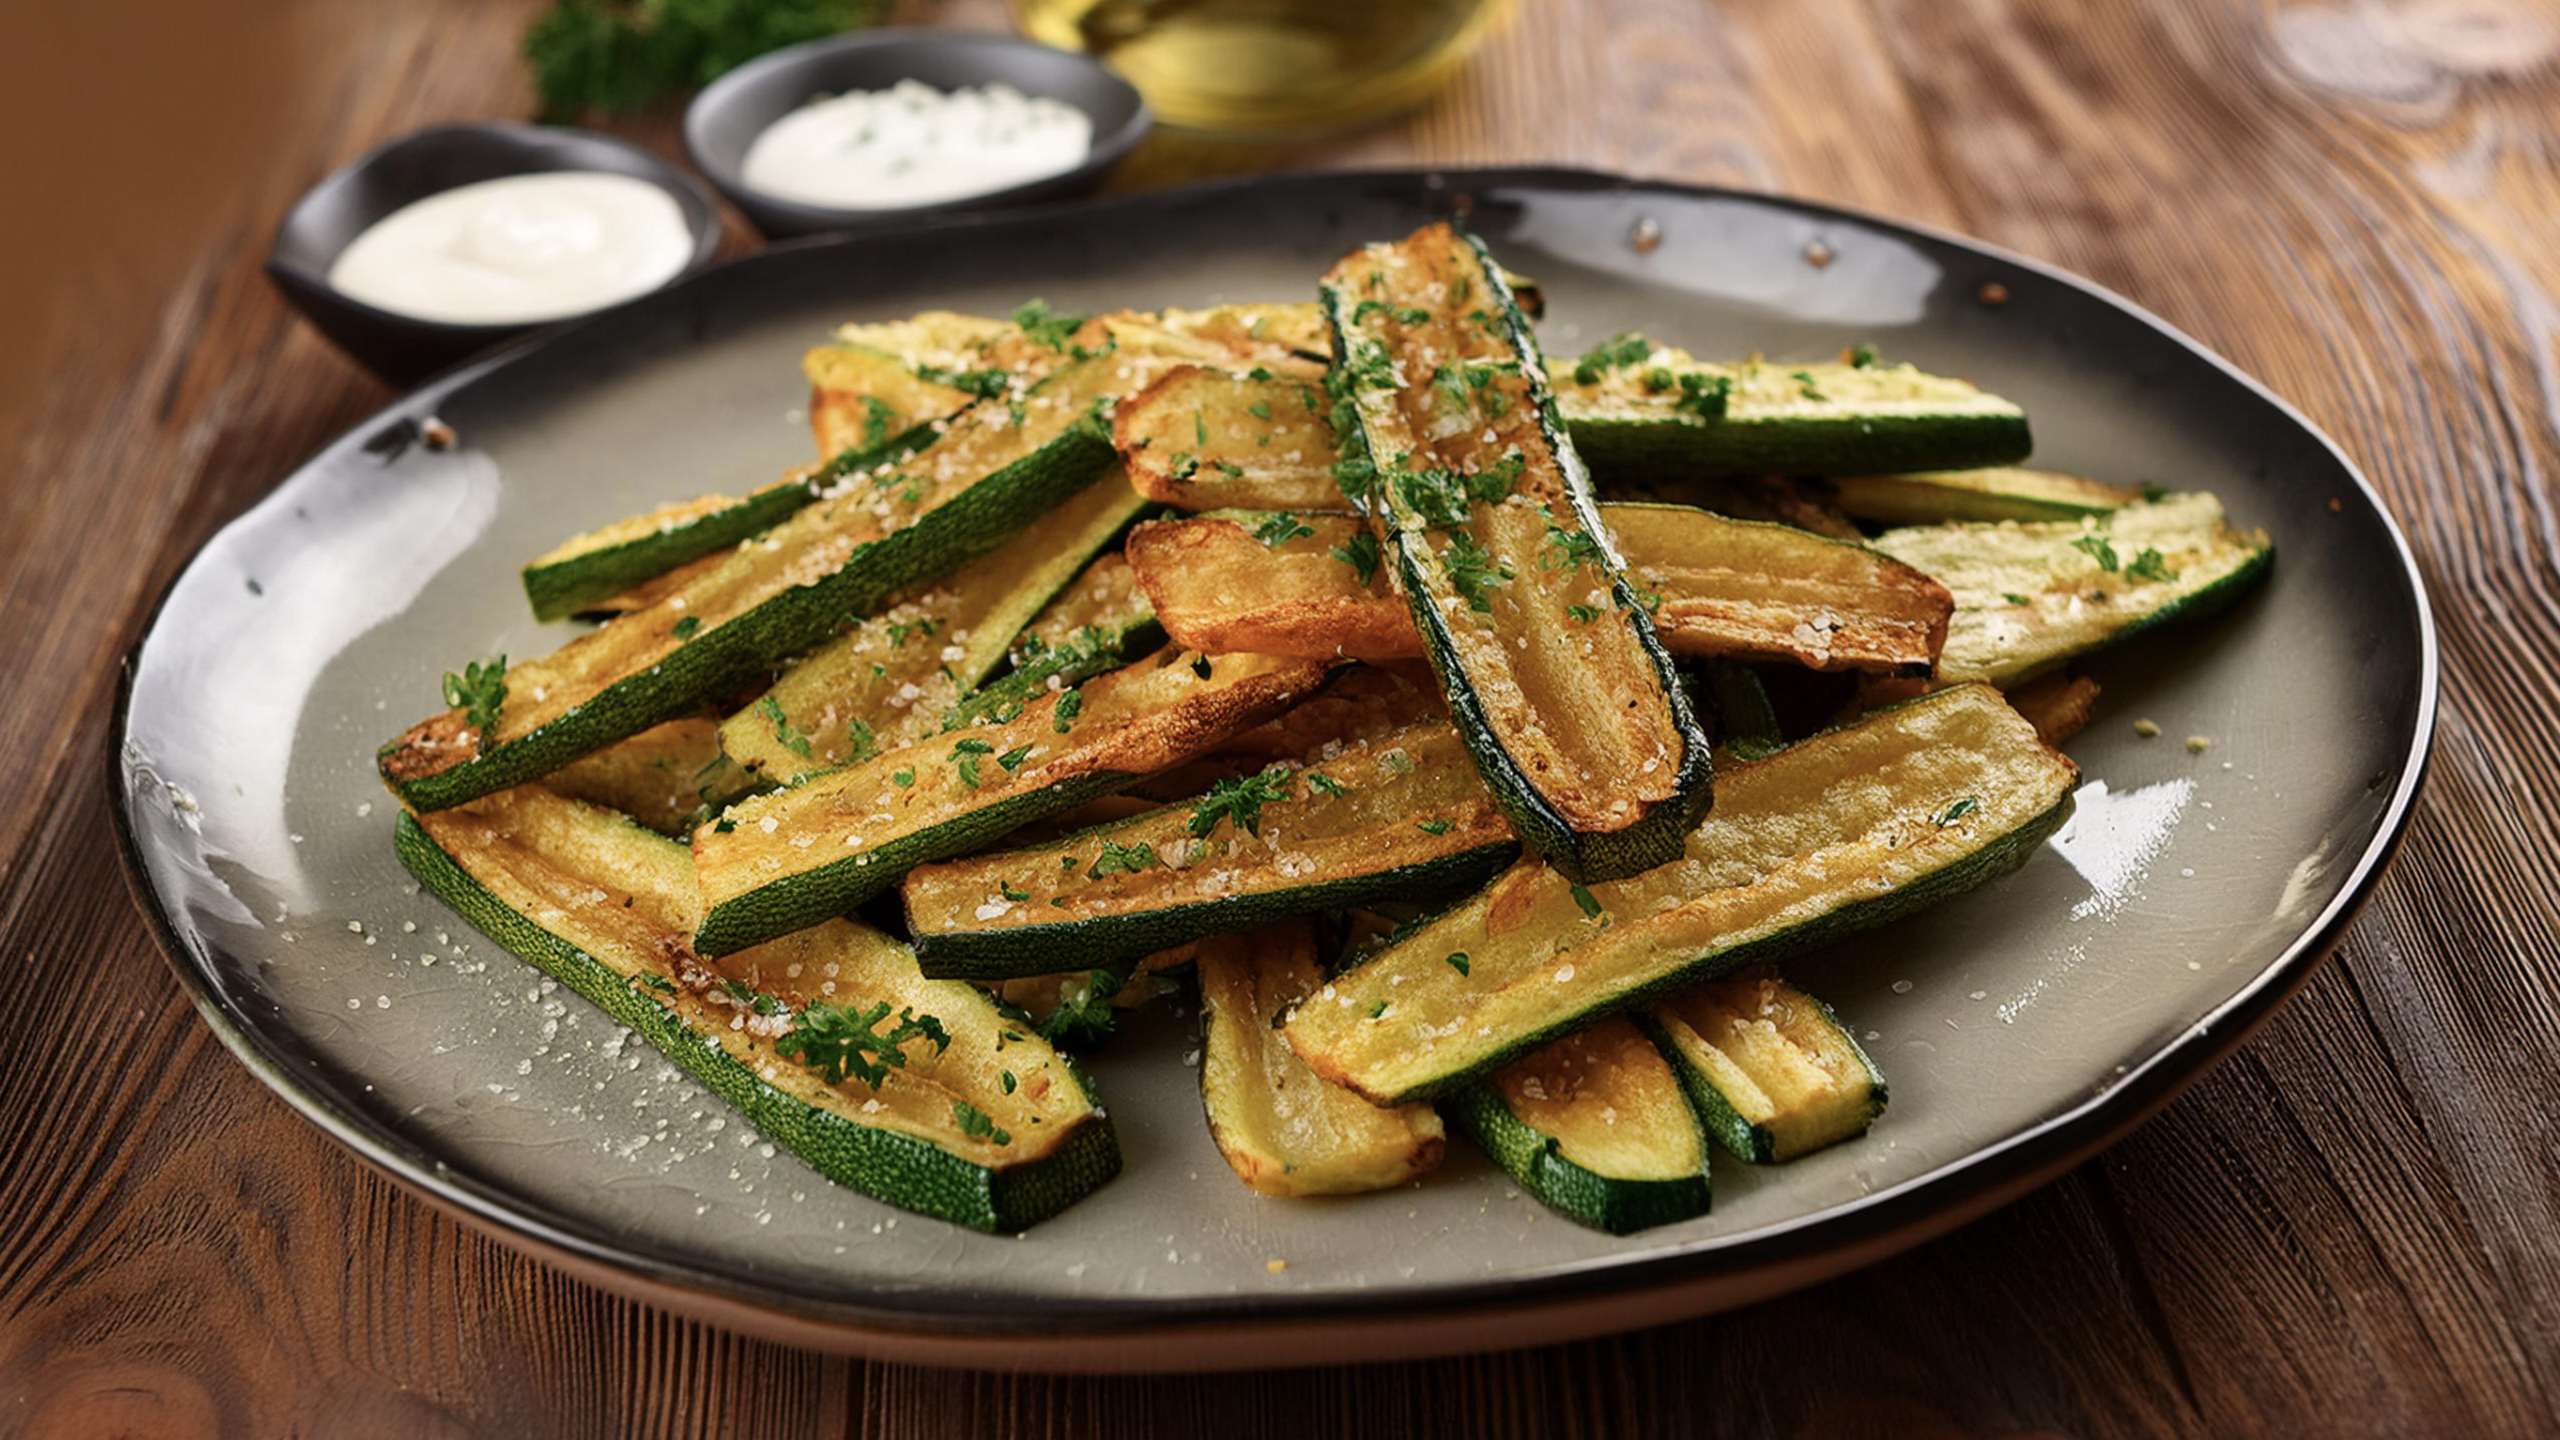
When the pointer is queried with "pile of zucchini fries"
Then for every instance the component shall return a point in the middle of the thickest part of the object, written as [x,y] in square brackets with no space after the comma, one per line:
[1473,729]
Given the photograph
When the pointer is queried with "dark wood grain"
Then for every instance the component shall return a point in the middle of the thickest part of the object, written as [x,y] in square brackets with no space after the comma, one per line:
[2349,1228]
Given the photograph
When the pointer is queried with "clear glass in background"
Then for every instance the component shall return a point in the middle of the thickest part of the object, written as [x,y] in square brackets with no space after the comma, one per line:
[1270,67]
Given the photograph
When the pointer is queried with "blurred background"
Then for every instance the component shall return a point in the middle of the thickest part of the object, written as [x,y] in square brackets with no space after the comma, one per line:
[148,139]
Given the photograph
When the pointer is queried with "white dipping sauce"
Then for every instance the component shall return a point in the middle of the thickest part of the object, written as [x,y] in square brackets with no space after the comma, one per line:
[914,145]
[517,249]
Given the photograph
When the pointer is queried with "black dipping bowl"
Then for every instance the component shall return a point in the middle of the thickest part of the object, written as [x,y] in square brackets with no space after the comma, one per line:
[403,349]
[726,118]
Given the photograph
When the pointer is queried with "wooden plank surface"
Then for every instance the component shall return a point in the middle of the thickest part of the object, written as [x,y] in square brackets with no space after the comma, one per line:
[2349,1228]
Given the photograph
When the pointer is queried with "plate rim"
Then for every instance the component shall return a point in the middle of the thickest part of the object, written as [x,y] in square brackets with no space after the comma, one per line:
[958,1326]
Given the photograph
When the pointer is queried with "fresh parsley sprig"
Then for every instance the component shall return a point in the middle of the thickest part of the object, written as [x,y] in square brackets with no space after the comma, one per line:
[841,1040]
[622,56]
[1239,801]
[479,692]
[1085,1013]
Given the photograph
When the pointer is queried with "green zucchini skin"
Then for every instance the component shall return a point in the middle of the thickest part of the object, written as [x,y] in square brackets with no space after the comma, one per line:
[1035,949]
[803,899]
[1799,445]
[1614,1204]
[1740,1137]
[1068,664]
[1586,857]
[1989,493]
[1859,427]
[1497,1025]
[1745,719]
[1972,871]
[1619,1207]
[726,656]
[567,586]
[899,1169]
[2217,565]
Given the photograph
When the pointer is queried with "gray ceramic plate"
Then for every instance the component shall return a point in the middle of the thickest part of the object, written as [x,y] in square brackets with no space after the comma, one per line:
[2023,1026]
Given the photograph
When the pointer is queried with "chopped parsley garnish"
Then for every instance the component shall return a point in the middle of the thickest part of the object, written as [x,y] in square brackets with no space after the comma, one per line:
[1589,902]
[878,416]
[1438,496]
[1377,1009]
[1005,1079]
[2014,599]
[1624,348]
[2150,565]
[751,997]
[1045,326]
[900,632]
[1327,784]
[1432,827]
[1063,719]
[1806,385]
[1472,571]
[791,739]
[1572,547]
[1705,396]
[965,757]
[1862,357]
[1957,811]
[1360,552]
[1458,961]
[1085,1013]
[859,738]
[2097,548]
[684,629]
[1260,409]
[478,692]
[2153,494]
[1239,801]
[1443,497]
[1005,888]
[659,983]
[1582,614]
[839,1041]
[1012,759]
[985,384]
[1368,367]
[903,778]
[1122,860]
[1451,383]
[975,1124]
[1280,527]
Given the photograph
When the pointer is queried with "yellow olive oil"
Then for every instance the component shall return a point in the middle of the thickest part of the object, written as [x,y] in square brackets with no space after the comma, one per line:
[1270,67]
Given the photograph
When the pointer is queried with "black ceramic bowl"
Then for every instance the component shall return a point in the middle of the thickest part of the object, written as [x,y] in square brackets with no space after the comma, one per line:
[402,348]
[727,117]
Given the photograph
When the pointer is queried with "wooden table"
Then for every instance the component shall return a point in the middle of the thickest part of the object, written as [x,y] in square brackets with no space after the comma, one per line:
[2353,1226]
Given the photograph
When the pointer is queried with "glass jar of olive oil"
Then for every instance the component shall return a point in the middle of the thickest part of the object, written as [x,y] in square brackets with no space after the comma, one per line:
[1270,67]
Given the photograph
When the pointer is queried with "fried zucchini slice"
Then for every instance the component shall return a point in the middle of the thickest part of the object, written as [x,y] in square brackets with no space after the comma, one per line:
[1284,1130]
[1834,834]
[1482,511]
